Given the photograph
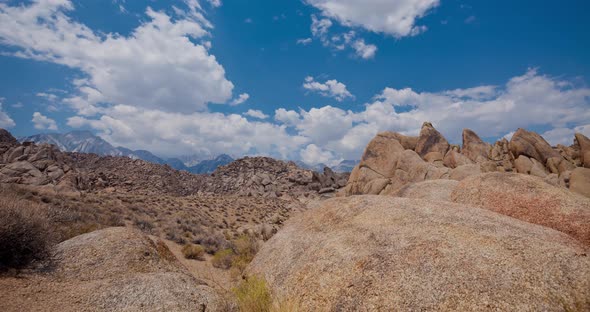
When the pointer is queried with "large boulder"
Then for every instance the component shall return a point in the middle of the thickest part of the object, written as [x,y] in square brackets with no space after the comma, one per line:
[579,181]
[431,140]
[529,199]
[454,159]
[379,253]
[533,145]
[474,148]
[121,269]
[433,189]
[584,144]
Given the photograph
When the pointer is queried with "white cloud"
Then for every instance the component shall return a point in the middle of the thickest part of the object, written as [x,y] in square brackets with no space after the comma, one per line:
[287,117]
[173,134]
[331,88]
[565,136]
[42,122]
[320,29]
[304,41]
[527,101]
[48,96]
[157,66]
[256,114]
[363,50]
[5,120]
[313,155]
[394,17]
[240,99]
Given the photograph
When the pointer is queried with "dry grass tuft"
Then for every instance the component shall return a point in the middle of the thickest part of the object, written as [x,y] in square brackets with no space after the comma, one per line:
[195,252]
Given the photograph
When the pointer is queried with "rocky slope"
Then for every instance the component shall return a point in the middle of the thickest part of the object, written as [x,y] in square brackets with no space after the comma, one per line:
[116,269]
[378,253]
[392,160]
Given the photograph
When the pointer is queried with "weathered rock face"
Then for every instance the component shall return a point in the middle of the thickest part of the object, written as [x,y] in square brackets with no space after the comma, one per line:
[378,253]
[474,148]
[529,199]
[584,143]
[432,189]
[431,140]
[454,159]
[579,181]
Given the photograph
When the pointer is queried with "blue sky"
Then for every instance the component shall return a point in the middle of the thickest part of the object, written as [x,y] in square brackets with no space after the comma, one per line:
[312,80]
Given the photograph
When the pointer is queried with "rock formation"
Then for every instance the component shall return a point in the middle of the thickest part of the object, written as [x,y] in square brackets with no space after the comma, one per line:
[392,160]
[378,253]
[474,148]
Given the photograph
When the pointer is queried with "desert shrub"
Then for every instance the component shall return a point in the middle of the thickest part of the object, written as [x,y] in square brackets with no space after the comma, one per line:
[25,234]
[245,248]
[253,295]
[223,259]
[211,241]
[144,225]
[195,252]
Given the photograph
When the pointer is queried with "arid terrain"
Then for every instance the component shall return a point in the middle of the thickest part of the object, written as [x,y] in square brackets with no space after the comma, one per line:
[419,224]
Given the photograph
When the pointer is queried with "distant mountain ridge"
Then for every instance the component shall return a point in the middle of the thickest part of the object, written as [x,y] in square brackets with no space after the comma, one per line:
[87,142]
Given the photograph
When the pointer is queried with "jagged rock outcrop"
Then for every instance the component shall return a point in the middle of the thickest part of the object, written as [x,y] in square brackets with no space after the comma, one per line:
[378,253]
[474,148]
[530,199]
[584,144]
[431,141]
[386,166]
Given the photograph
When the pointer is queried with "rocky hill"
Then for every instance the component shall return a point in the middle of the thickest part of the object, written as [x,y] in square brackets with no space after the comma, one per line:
[45,165]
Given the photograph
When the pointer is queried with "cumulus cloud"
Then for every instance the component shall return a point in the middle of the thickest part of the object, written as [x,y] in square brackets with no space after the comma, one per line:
[173,134]
[240,99]
[5,120]
[157,66]
[312,154]
[396,18]
[331,88]
[42,122]
[256,114]
[287,117]
[363,50]
[320,29]
[304,41]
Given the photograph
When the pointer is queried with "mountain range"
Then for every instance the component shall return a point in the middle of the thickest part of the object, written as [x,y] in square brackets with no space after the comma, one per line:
[87,142]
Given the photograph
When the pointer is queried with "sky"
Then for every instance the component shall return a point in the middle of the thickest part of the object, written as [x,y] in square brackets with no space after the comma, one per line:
[310,80]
